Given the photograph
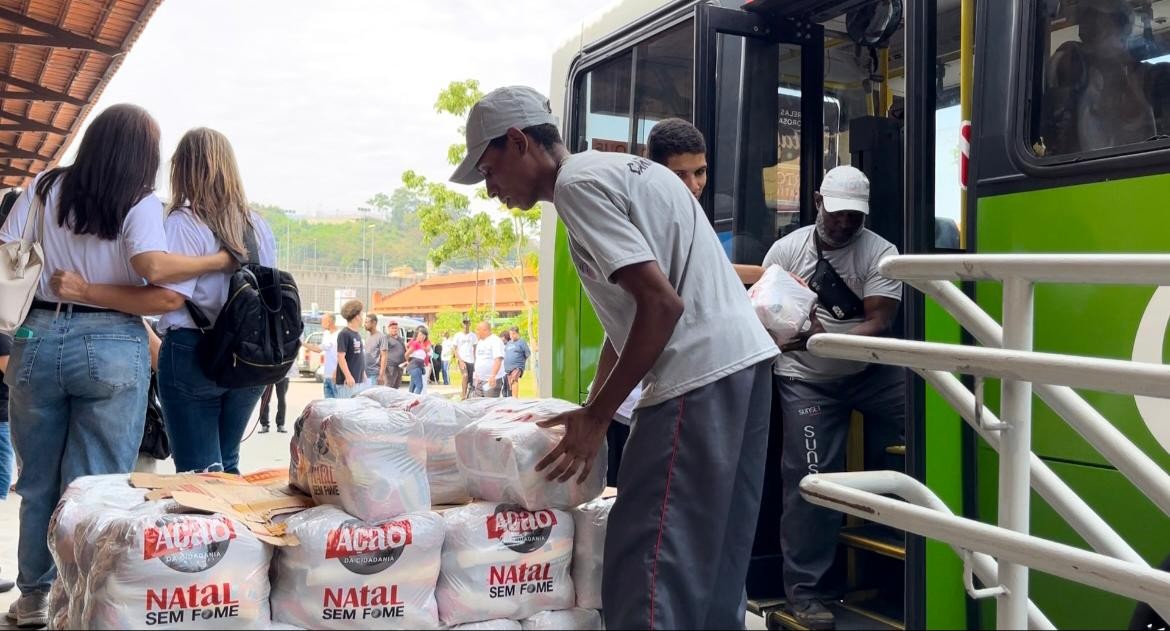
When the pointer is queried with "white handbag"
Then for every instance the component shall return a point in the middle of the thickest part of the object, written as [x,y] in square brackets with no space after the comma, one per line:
[20,270]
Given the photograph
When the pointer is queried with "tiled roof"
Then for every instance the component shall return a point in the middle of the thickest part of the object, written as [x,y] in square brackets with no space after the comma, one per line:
[458,291]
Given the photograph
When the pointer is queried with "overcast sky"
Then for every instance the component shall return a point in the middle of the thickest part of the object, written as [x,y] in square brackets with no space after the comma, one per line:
[328,103]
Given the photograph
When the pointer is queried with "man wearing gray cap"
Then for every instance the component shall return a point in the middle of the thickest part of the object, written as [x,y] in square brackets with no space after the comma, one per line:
[838,257]
[680,533]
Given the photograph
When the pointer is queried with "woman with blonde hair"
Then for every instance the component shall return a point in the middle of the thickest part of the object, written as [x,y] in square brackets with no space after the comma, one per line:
[80,366]
[208,211]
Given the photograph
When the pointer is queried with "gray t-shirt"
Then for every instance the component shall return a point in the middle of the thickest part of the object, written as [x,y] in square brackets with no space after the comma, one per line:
[857,264]
[395,350]
[619,210]
[375,344]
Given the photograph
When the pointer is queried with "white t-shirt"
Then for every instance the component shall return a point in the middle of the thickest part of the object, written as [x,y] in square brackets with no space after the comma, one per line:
[465,343]
[448,350]
[186,234]
[619,210]
[95,259]
[857,264]
[625,412]
[329,351]
[487,351]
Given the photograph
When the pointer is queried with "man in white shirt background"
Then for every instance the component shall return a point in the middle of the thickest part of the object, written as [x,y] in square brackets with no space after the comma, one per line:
[328,350]
[465,353]
[489,362]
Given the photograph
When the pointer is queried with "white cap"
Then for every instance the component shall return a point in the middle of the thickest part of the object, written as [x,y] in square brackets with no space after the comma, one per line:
[845,188]
[497,112]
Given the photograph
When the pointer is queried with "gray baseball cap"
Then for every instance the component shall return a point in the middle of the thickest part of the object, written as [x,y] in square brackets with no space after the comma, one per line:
[497,112]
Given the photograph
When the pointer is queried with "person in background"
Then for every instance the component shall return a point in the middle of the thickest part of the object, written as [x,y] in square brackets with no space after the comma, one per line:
[204,422]
[488,373]
[375,353]
[7,463]
[394,351]
[516,354]
[281,390]
[79,373]
[351,360]
[328,350]
[418,353]
[465,353]
[445,357]
[679,146]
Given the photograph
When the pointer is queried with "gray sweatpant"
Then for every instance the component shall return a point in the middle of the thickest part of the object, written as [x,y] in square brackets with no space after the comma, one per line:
[816,430]
[680,533]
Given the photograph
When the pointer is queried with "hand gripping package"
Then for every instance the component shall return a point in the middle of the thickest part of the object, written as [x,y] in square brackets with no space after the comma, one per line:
[589,523]
[575,619]
[300,447]
[177,571]
[371,461]
[498,456]
[502,561]
[441,420]
[351,574]
[782,303]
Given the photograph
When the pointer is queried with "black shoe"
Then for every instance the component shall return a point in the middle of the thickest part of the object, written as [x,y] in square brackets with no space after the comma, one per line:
[812,614]
[281,430]
[263,429]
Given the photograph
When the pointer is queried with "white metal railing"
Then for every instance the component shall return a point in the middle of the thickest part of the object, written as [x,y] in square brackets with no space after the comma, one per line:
[1114,566]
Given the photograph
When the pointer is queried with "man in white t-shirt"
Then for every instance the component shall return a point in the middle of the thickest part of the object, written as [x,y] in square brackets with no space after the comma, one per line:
[658,279]
[465,353]
[488,374]
[328,350]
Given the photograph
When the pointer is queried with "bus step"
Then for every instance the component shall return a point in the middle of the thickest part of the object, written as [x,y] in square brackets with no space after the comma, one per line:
[896,450]
[764,606]
[849,616]
[875,538]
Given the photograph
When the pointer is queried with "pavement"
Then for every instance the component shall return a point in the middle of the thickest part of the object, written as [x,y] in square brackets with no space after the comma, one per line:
[258,451]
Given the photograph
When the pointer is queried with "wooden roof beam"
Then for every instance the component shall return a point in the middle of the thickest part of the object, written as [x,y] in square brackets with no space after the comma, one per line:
[16,153]
[35,92]
[54,36]
[21,123]
[11,171]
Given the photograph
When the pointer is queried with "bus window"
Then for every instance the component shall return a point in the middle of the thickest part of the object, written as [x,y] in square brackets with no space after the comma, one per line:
[663,80]
[605,119]
[1101,76]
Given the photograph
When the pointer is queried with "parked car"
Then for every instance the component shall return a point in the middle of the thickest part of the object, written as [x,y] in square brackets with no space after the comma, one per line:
[309,362]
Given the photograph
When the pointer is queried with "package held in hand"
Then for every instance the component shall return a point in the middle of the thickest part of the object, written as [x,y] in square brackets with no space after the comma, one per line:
[502,561]
[176,571]
[782,303]
[498,456]
[589,522]
[370,461]
[351,574]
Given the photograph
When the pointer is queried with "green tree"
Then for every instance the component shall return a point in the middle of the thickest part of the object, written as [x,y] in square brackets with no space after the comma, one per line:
[450,228]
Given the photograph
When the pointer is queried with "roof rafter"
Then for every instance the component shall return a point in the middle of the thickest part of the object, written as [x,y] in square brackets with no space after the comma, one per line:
[32,91]
[53,36]
[21,123]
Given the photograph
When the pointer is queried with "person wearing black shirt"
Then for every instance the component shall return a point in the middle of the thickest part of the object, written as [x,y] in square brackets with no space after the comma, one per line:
[351,360]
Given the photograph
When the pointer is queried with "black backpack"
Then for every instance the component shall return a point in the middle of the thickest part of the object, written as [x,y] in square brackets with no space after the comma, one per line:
[256,338]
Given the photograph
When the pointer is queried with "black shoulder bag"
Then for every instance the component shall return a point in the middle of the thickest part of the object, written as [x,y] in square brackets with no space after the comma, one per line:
[832,292]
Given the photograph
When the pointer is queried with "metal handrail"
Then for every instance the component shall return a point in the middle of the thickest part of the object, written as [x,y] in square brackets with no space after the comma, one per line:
[1121,570]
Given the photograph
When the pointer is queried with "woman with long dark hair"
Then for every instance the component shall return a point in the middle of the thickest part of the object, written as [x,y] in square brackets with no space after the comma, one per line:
[79,370]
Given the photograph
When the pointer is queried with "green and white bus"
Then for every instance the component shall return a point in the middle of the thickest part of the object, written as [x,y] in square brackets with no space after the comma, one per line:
[1069,110]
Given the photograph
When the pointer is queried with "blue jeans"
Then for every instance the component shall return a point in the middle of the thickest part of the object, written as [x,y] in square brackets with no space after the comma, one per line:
[418,376]
[204,421]
[78,384]
[442,374]
[5,459]
[330,388]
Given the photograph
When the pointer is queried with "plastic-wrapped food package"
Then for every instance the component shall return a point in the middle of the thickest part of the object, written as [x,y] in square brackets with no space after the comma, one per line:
[84,496]
[305,434]
[177,571]
[499,624]
[589,522]
[578,618]
[480,406]
[389,397]
[502,561]
[351,574]
[280,626]
[782,303]
[441,420]
[371,461]
[498,456]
